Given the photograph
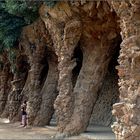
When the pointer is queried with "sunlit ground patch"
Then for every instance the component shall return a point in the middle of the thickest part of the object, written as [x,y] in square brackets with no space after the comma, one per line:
[4,120]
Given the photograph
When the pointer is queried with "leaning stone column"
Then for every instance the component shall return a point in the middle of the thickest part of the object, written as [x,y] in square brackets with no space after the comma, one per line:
[6,78]
[127,111]
[96,57]
[48,92]
[65,34]
[64,101]
[15,98]
[35,49]
[4,87]
[34,96]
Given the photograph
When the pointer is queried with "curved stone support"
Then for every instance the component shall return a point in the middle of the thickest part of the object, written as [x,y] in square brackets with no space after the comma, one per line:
[102,27]
[49,93]
[126,111]
[35,40]
[65,36]
[5,81]
[3,96]
[94,68]
[94,26]
[15,98]
[34,96]
[64,101]
[4,86]
[24,94]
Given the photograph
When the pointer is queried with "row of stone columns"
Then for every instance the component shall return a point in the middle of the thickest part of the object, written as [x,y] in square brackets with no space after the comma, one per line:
[40,98]
[73,106]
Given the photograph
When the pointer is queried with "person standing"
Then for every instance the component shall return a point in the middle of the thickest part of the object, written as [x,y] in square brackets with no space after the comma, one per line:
[24,114]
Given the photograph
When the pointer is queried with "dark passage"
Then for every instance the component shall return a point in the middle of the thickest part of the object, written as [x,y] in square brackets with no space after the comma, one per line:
[78,55]
[44,71]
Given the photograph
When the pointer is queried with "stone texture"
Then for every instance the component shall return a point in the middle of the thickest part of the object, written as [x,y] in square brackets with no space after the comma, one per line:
[49,93]
[66,34]
[5,79]
[15,97]
[34,42]
[126,111]
[108,94]
[95,27]
[65,38]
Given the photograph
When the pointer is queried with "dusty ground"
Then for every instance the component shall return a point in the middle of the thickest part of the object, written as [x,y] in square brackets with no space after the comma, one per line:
[14,132]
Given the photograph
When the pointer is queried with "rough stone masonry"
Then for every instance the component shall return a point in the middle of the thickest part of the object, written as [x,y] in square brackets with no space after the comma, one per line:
[69,57]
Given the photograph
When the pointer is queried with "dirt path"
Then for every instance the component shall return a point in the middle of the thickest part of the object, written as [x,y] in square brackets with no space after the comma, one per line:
[14,132]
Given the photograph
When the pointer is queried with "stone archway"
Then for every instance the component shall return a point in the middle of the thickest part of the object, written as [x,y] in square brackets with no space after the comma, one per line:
[5,82]
[98,27]
[49,91]
[15,97]
[108,93]
[78,56]
[98,44]
[127,125]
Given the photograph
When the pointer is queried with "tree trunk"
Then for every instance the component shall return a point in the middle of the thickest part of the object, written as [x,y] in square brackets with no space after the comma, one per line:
[49,93]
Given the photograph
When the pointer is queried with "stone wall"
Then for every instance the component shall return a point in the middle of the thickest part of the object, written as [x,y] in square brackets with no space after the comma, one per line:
[127,111]
[94,26]
[108,94]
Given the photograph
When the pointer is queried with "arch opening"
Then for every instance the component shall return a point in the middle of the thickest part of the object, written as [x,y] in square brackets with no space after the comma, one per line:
[108,93]
[78,56]
[44,71]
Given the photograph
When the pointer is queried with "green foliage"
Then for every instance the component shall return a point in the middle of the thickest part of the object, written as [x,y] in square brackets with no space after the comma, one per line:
[14,14]
[23,8]
[10,28]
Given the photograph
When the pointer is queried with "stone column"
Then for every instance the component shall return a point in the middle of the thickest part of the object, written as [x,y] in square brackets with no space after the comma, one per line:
[49,93]
[6,78]
[127,111]
[96,57]
[65,99]
[34,98]
[65,34]
[15,98]
[34,41]
[4,87]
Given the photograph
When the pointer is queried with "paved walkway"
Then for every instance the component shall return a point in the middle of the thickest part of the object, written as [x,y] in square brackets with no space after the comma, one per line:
[14,132]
